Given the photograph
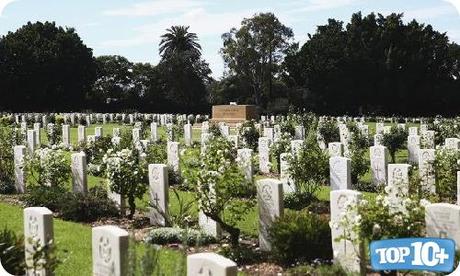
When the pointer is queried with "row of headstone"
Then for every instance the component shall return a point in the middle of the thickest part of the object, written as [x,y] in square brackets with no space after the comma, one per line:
[110,247]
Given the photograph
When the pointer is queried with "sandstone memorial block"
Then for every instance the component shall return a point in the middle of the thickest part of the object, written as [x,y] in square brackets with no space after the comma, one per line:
[233,113]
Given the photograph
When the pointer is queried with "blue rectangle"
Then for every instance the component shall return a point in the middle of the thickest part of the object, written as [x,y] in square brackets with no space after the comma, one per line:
[429,254]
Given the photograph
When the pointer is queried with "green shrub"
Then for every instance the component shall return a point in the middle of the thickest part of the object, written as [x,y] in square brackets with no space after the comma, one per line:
[12,252]
[88,208]
[156,153]
[167,235]
[309,170]
[46,196]
[329,131]
[249,134]
[394,140]
[8,138]
[241,254]
[300,237]
[445,167]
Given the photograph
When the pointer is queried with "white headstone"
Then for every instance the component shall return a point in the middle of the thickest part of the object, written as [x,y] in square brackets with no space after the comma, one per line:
[285,177]
[245,162]
[346,245]
[340,173]
[110,251]
[159,193]
[37,133]
[299,133]
[413,146]
[264,154]
[154,131]
[173,155]
[426,170]
[38,231]
[379,162]
[443,221]
[188,134]
[210,264]
[335,149]
[19,158]
[79,173]
[81,138]
[398,184]
[98,132]
[271,206]
[31,140]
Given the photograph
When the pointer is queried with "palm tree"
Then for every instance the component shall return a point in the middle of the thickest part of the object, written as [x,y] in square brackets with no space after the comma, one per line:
[178,40]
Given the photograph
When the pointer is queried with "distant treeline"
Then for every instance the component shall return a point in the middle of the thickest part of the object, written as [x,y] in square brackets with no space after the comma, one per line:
[372,65]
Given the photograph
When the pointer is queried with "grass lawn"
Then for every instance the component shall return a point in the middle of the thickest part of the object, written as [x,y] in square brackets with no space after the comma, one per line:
[76,239]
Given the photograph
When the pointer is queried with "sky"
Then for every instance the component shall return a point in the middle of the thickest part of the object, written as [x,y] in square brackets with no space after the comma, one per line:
[132,28]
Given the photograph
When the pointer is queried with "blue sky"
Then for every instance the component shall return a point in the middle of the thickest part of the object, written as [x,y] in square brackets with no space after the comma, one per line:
[133,28]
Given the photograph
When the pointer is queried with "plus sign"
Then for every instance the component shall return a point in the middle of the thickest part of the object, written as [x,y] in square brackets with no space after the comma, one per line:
[441,256]
[156,199]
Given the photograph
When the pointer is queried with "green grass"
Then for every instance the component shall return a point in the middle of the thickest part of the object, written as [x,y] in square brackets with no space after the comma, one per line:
[75,238]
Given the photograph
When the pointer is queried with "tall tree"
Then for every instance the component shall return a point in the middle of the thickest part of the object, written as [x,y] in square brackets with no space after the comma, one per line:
[179,41]
[44,67]
[184,74]
[255,52]
[114,82]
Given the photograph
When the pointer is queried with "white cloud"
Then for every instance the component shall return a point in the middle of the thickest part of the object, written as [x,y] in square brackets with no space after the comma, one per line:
[155,7]
[318,5]
[430,13]
[3,4]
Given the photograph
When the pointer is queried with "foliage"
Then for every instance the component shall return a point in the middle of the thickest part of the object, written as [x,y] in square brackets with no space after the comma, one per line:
[54,133]
[156,153]
[48,196]
[394,141]
[255,52]
[309,169]
[329,131]
[241,254]
[180,219]
[446,165]
[149,262]
[87,208]
[95,152]
[12,252]
[59,83]
[48,167]
[218,182]
[43,256]
[373,65]
[167,235]
[250,135]
[8,139]
[281,145]
[358,147]
[380,220]
[291,234]
[126,175]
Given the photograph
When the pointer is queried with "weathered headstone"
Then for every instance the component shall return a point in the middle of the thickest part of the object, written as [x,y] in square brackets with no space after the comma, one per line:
[154,132]
[443,221]
[335,149]
[38,232]
[452,143]
[110,251]
[210,264]
[31,141]
[19,158]
[188,134]
[285,177]
[271,206]
[81,138]
[346,245]
[379,162]
[79,173]
[37,133]
[66,135]
[296,147]
[340,173]
[398,185]
[159,193]
[413,146]
[173,156]
[426,170]
[264,154]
